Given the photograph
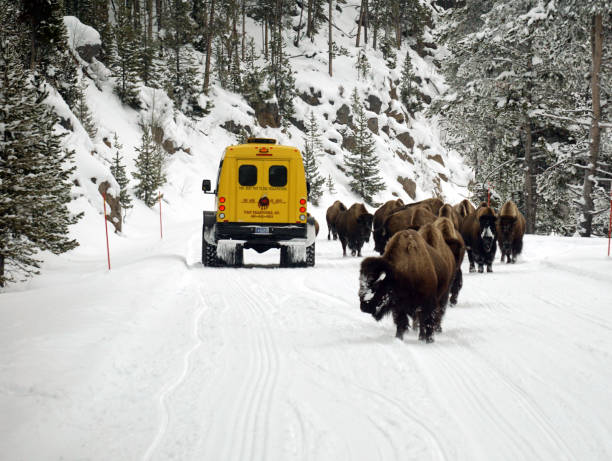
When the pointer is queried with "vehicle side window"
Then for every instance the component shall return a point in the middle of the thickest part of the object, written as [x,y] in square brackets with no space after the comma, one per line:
[247,175]
[277,176]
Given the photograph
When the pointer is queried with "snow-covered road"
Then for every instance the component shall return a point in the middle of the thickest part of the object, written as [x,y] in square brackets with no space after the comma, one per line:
[164,359]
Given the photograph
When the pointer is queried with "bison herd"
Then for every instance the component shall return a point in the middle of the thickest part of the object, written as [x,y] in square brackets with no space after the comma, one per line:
[422,246]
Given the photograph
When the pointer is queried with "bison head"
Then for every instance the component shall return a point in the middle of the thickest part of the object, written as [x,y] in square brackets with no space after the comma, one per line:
[487,233]
[365,226]
[506,226]
[375,287]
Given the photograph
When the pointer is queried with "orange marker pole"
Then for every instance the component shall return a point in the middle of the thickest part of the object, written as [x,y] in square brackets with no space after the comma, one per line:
[161,233]
[106,229]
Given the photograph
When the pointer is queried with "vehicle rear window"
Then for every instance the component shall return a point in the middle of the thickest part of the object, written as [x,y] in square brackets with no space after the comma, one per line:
[277,176]
[247,175]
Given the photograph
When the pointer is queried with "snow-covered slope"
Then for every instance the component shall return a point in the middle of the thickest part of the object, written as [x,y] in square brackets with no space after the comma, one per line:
[429,167]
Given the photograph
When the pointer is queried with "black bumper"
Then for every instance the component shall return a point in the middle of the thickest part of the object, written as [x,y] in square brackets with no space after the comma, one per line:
[249,232]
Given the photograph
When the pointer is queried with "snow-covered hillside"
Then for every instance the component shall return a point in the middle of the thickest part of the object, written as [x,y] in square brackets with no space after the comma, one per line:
[163,359]
[197,145]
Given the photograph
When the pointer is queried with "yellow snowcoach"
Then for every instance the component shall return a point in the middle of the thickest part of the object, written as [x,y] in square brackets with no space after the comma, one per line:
[261,203]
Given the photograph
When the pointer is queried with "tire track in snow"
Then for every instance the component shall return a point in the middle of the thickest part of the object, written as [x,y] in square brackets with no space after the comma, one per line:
[170,388]
[252,415]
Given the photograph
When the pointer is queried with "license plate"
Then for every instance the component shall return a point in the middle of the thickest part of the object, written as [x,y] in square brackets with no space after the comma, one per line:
[262,230]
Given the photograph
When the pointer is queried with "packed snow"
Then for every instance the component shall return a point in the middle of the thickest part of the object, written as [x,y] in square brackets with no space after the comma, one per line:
[160,358]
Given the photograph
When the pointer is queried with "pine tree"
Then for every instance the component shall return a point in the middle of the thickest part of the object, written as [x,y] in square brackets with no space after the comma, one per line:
[124,58]
[147,66]
[362,163]
[312,149]
[34,177]
[329,183]
[118,171]
[363,65]
[282,81]
[149,169]
[181,84]
[82,111]
[408,87]
[253,78]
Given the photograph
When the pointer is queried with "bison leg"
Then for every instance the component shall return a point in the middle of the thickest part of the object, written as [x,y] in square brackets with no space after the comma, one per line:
[401,321]
[456,287]
[489,268]
[343,242]
[471,259]
[480,268]
[426,321]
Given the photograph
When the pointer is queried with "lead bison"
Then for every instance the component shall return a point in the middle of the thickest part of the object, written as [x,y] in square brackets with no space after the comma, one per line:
[464,208]
[478,231]
[354,227]
[405,282]
[386,210]
[510,231]
[331,216]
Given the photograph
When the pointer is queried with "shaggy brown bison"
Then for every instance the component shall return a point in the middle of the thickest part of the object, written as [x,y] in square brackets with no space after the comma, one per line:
[387,209]
[403,281]
[479,232]
[316,223]
[464,208]
[354,227]
[510,231]
[412,217]
[445,268]
[433,204]
[331,215]
[447,211]
[455,242]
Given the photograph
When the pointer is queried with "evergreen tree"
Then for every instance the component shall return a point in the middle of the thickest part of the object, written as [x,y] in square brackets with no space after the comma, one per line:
[363,65]
[149,169]
[124,58]
[181,84]
[329,183]
[118,171]
[82,111]
[362,163]
[408,87]
[147,66]
[282,81]
[34,177]
[312,149]
[253,78]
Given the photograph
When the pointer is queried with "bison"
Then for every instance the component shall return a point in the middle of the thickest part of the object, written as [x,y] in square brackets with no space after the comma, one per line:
[331,215]
[409,218]
[445,268]
[405,282]
[464,208]
[447,211]
[510,231]
[478,231]
[455,242]
[354,227]
[380,215]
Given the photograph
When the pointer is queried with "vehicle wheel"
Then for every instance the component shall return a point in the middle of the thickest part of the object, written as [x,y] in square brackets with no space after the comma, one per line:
[285,259]
[238,256]
[310,255]
[209,255]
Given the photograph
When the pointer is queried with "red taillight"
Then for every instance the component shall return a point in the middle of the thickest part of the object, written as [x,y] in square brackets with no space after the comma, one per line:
[302,201]
[302,209]
[221,207]
[221,199]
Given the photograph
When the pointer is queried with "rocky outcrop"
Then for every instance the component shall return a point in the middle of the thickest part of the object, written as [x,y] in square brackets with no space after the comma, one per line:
[409,186]
[398,116]
[406,140]
[236,128]
[311,98]
[343,115]
[436,158]
[267,114]
[373,125]
[113,207]
[375,103]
